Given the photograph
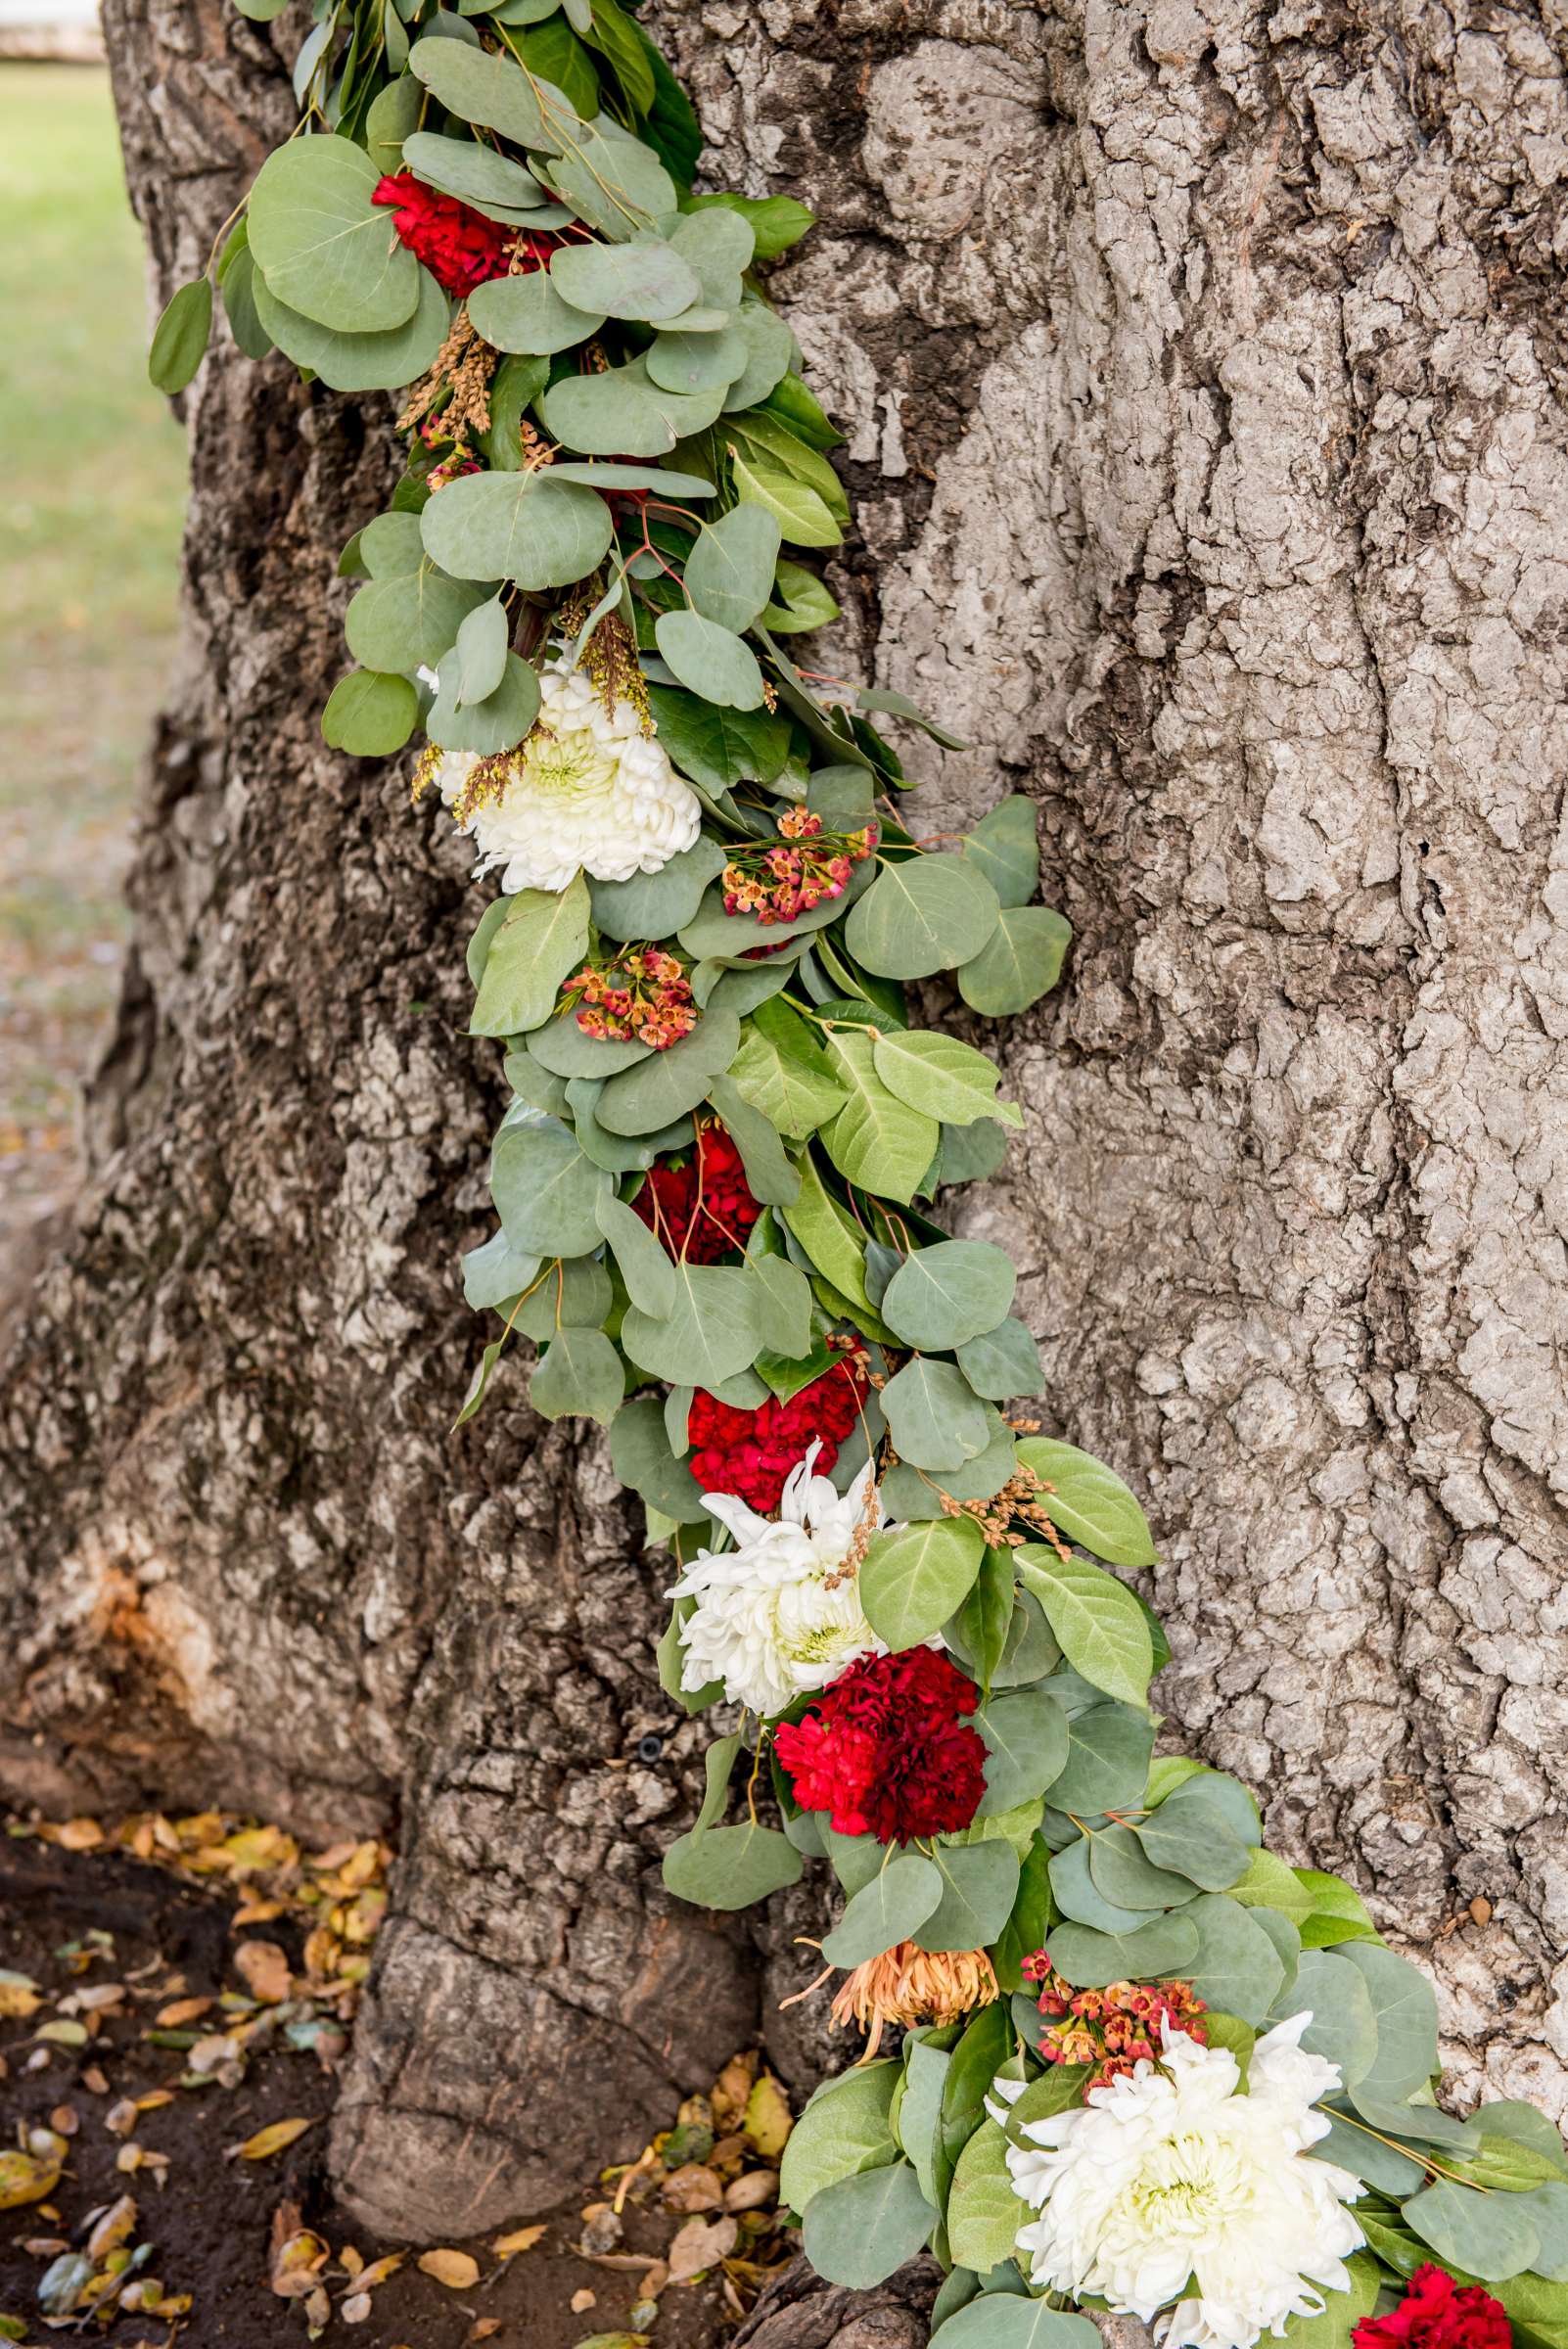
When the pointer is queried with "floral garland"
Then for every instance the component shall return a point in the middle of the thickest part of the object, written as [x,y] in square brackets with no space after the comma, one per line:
[1144,2066]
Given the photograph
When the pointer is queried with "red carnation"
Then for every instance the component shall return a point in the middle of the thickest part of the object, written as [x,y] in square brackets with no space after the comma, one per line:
[458,246]
[703,1210]
[1436,2314]
[884,1749]
[750,1453]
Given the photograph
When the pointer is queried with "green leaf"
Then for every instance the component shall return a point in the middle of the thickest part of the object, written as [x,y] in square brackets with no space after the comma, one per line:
[730,1868]
[477,174]
[575,1294]
[771,1174]
[1079,1897]
[1236,1966]
[1344,2028]
[802,515]
[844,2131]
[578,1375]
[933,1418]
[770,347]
[1124,1875]
[912,1493]
[392,116]
[1487,2234]
[876,1140]
[711,1334]
[947,1080]
[517,525]
[1270,1884]
[645,1269]
[1021,961]
[834,1243]
[542,939]
[802,602]
[499,722]
[641,1457]
[711,660]
[1405,2006]
[777,222]
[496,1272]
[791,1093]
[379,362]
[647,279]
[488,91]
[1004,2320]
[718,748]
[729,572]
[1089,1961]
[613,31]
[943,1296]
[617,185]
[1108,1749]
[984,2214]
[979,1626]
[1100,1627]
[557,55]
[481,653]
[857,2231]
[237,283]
[784,1311]
[663,1087]
[901,1896]
[545,1190]
[1189,1836]
[1002,1362]
[370,714]
[980,1882]
[718,243]
[409,621]
[323,248]
[1005,847]
[526,314]
[1026,1741]
[683,359]
[180,338]
[623,413]
[1338,1911]
[922,917]
[915,1576]
[654,904]
[1089,1502]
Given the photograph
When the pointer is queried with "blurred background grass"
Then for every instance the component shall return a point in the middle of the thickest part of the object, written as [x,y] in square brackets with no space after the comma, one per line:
[87,599]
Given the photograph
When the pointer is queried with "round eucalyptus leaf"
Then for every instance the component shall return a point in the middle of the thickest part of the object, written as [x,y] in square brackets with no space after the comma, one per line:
[488,91]
[646,281]
[359,362]
[412,620]
[858,2231]
[623,413]
[578,1376]
[1026,1743]
[673,1082]
[718,245]
[545,1190]
[657,905]
[322,246]
[943,1296]
[696,362]
[1089,1961]
[915,1576]
[1002,1362]
[517,525]
[933,1418]
[617,185]
[885,1911]
[729,572]
[526,314]
[370,714]
[477,174]
[769,355]
[498,723]
[923,915]
[1019,962]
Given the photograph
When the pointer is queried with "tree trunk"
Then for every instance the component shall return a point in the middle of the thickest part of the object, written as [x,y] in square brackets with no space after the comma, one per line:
[1206,429]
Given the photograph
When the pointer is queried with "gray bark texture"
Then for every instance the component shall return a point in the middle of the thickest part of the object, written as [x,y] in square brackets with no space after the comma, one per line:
[1205,402]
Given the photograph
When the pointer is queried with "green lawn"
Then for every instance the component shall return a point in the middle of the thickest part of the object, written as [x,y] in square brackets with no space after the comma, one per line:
[87,587]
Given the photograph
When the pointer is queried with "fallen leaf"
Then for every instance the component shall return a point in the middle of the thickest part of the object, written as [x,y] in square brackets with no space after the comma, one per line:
[258,1913]
[120,2119]
[522,2239]
[95,2080]
[768,2117]
[66,2119]
[655,2280]
[692,2188]
[270,2139]
[582,2301]
[28,2177]
[79,1835]
[318,2308]
[130,2158]
[731,2090]
[64,2035]
[483,2330]
[378,2270]
[457,2270]
[701,2243]
[181,2011]
[263,1968]
[116,2226]
[355,2309]
[19,1995]
[754,2191]
[154,2098]
[350,2260]
[296,2254]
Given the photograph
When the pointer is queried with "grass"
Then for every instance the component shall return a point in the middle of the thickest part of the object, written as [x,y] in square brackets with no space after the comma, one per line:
[87,593]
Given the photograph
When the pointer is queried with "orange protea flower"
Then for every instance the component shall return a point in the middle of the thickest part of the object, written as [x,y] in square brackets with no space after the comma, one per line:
[907,1985]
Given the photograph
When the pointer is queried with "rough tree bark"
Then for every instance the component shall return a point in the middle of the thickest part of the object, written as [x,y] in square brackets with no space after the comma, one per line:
[1206,416]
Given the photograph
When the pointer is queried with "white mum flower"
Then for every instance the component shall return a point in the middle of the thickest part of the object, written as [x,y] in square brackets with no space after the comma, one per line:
[1171,2182]
[587,792]
[776,1615]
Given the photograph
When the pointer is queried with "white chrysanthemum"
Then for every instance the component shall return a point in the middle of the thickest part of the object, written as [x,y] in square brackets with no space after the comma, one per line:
[775,1616]
[1170,2182]
[588,792]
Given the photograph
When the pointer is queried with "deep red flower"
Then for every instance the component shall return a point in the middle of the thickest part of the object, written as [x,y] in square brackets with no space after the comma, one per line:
[703,1210]
[884,1750]
[1436,2313]
[750,1453]
[458,246]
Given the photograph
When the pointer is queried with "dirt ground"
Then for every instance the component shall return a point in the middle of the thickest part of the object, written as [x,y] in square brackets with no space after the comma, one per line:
[79,1927]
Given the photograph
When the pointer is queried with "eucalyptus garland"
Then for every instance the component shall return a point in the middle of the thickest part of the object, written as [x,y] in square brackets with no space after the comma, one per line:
[1131,2060]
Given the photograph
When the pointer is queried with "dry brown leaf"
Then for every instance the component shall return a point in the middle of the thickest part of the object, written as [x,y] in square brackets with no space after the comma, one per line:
[263,1968]
[28,2177]
[483,2329]
[731,2090]
[120,2119]
[95,2080]
[180,2010]
[350,2260]
[655,2280]
[78,1835]
[754,2191]
[457,2270]
[378,2270]
[701,2243]
[154,2099]
[67,2119]
[296,2254]
[19,1997]
[257,1913]
[768,2117]
[355,2309]
[692,2188]
[318,2308]
[521,2238]
[581,2301]
[129,2159]
[116,2226]
[270,2139]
